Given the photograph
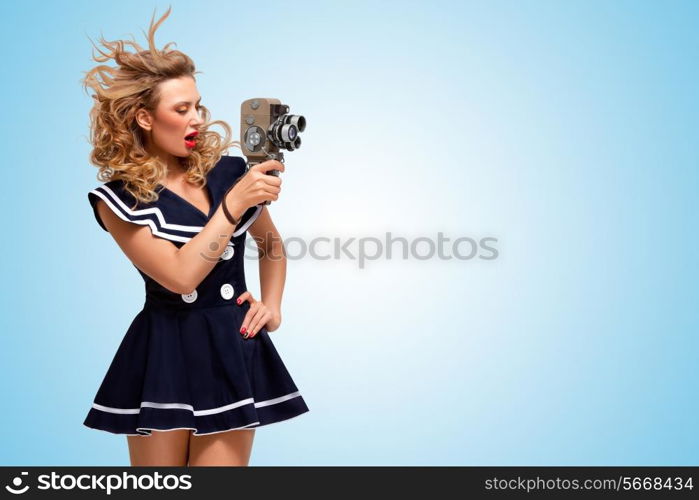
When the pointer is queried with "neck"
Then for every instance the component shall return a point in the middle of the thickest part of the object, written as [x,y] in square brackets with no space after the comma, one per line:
[175,170]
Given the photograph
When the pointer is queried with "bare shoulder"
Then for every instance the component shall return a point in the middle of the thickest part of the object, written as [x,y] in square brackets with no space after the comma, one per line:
[120,230]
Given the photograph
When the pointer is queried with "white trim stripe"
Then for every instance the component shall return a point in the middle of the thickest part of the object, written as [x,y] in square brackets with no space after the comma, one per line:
[197,413]
[140,217]
[143,222]
[252,425]
[280,399]
[155,211]
[223,408]
[190,428]
[115,410]
[248,223]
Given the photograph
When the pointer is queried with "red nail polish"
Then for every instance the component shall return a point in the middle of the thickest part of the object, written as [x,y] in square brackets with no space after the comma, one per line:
[238,301]
[242,330]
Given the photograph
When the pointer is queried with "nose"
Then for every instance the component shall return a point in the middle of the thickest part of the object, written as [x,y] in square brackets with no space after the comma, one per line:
[198,119]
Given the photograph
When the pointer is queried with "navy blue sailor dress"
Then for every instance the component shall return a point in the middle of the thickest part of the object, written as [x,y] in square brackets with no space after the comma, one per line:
[183,363]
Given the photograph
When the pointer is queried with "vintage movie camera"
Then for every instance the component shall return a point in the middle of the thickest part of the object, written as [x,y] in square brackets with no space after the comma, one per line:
[266,127]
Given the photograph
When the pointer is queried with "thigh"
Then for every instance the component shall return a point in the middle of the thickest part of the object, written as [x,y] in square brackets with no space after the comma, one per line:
[221,448]
[161,448]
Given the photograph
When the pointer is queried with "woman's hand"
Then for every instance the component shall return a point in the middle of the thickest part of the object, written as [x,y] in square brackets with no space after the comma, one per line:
[258,316]
[256,186]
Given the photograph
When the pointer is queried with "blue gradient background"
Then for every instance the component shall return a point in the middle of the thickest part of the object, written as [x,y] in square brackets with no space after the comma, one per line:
[566,130]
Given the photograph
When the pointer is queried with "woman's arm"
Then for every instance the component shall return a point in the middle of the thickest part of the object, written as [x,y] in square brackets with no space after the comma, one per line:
[272,263]
[180,270]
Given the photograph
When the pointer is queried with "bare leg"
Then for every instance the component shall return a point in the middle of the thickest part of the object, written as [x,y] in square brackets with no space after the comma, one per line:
[221,448]
[161,448]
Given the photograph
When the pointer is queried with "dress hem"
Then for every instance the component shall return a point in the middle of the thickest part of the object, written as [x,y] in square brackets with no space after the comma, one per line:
[115,423]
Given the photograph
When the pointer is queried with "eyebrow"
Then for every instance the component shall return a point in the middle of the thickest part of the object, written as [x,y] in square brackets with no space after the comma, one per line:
[186,102]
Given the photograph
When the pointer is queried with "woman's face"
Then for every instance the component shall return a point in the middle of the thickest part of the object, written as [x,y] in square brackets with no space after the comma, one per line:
[177,115]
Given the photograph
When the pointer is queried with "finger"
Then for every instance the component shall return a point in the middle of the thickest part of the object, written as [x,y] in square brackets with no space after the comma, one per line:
[272,192]
[255,320]
[245,326]
[265,166]
[269,189]
[263,321]
[275,165]
[246,295]
[273,189]
[273,180]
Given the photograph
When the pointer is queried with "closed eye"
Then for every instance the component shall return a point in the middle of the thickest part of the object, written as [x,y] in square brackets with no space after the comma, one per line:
[182,111]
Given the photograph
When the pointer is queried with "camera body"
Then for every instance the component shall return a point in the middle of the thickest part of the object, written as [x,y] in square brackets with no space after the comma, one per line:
[266,127]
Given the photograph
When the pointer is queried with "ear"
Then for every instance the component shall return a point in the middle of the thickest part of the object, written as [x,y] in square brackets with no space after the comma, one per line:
[144,119]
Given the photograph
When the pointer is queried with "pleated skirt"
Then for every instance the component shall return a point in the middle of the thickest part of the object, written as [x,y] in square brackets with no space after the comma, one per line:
[192,369]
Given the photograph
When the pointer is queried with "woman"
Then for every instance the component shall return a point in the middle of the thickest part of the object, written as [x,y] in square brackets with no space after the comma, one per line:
[196,372]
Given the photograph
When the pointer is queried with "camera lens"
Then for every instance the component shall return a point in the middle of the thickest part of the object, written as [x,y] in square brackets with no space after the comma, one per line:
[297,120]
[288,132]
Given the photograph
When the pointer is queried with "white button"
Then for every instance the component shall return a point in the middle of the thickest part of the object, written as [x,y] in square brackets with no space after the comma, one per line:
[189,297]
[227,291]
[227,253]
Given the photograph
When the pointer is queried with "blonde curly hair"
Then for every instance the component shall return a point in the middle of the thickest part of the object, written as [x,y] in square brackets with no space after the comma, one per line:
[118,141]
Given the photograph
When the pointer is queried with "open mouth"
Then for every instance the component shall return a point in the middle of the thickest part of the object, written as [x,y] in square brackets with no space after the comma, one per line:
[191,140]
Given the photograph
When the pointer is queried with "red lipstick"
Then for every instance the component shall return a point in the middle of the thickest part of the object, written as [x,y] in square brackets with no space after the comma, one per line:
[190,140]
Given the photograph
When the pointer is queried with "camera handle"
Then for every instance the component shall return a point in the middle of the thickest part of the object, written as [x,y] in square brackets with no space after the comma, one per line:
[270,156]
[276,174]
